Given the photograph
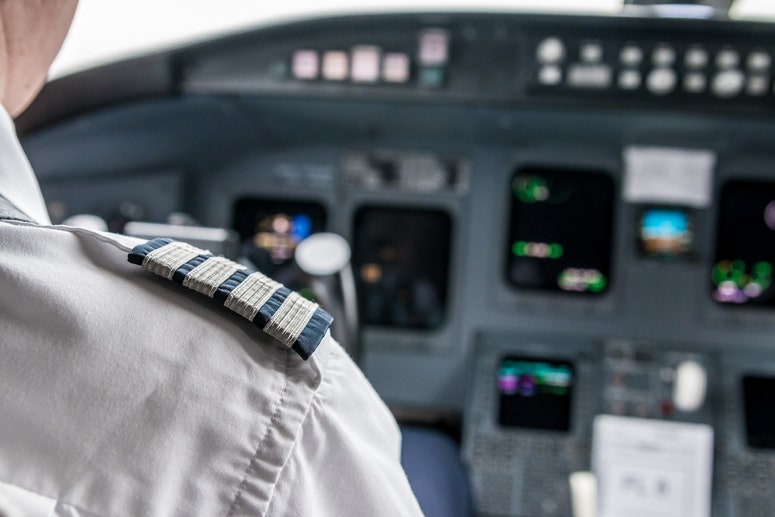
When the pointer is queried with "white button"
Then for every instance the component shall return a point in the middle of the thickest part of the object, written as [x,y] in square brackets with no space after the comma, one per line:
[395,68]
[364,64]
[728,83]
[591,53]
[629,79]
[661,81]
[336,65]
[550,50]
[550,75]
[663,56]
[696,57]
[757,85]
[631,55]
[305,64]
[727,59]
[690,386]
[759,60]
[589,76]
[695,83]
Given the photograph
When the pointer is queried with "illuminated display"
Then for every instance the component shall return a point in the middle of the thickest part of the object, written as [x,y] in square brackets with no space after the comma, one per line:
[535,393]
[336,65]
[434,47]
[665,233]
[401,263]
[395,68]
[560,231]
[270,230]
[742,273]
[305,64]
[365,64]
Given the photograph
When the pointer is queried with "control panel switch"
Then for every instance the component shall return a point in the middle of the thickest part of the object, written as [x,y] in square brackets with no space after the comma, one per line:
[696,58]
[661,81]
[759,61]
[690,386]
[728,83]
[631,55]
[550,51]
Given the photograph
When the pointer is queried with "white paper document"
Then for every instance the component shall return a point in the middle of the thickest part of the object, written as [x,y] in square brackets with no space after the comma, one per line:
[670,176]
[652,468]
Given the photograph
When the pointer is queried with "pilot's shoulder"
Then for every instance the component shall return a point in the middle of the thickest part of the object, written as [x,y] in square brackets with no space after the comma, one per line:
[96,264]
[286,316]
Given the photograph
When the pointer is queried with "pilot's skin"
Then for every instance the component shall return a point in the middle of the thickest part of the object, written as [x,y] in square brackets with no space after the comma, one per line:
[123,393]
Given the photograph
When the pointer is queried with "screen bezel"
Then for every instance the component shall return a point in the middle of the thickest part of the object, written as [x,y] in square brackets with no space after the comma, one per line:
[448,266]
[722,217]
[609,258]
[757,441]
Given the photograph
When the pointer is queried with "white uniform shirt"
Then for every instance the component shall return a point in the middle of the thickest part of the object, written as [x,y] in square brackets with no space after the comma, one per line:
[122,393]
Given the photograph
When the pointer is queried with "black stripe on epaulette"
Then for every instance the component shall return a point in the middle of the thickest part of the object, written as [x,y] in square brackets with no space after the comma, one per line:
[185,269]
[266,312]
[309,338]
[225,289]
[139,252]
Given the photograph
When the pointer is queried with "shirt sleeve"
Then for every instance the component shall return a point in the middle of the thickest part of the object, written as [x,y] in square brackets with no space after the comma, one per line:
[346,461]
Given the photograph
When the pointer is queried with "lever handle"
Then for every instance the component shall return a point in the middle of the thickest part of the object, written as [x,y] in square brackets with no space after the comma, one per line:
[325,259]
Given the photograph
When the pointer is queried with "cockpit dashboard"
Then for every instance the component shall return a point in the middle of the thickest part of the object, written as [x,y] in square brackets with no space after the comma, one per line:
[550,217]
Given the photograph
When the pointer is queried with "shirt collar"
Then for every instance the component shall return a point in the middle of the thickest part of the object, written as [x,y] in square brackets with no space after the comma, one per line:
[18,183]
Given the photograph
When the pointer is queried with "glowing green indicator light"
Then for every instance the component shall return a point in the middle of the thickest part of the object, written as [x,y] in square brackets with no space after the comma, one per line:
[598,285]
[530,189]
[582,280]
[735,285]
[537,250]
[762,270]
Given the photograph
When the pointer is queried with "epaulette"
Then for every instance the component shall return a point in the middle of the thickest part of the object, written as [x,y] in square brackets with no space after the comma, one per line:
[285,315]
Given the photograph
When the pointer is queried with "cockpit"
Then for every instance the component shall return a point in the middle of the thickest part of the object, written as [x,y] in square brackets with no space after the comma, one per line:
[559,229]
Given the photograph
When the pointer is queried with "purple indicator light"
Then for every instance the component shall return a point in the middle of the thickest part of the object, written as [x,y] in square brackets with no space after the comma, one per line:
[508,384]
[527,386]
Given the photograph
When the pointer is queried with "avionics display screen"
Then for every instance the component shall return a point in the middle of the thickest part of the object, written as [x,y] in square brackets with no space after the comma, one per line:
[269,231]
[759,416]
[535,393]
[401,265]
[745,244]
[560,230]
[666,233]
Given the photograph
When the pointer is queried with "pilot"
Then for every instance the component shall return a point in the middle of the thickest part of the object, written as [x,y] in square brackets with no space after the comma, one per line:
[125,393]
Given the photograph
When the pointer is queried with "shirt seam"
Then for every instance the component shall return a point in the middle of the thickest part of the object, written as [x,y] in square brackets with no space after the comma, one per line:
[253,460]
[316,397]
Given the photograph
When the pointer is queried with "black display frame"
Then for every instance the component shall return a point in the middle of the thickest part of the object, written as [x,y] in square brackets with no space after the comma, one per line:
[441,262]
[514,408]
[731,206]
[606,258]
